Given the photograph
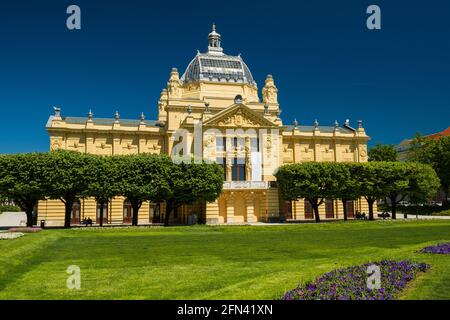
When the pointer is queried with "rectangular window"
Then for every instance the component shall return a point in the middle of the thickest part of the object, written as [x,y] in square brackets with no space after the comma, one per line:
[255,144]
[221,144]
[238,170]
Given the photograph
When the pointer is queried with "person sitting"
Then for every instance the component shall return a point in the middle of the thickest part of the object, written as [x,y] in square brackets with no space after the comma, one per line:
[89,221]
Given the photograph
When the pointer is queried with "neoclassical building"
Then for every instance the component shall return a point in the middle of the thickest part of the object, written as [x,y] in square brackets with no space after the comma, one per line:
[215,112]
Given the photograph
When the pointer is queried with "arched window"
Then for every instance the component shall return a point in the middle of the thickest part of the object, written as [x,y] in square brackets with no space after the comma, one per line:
[105,213]
[329,208]
[308,210]
[76,210]
[127,211]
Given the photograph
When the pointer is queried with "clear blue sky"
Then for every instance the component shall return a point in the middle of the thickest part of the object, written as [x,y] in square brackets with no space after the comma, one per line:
[326,63]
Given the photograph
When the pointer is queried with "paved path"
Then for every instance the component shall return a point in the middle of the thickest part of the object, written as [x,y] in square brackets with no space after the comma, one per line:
[13,219]
[422,217]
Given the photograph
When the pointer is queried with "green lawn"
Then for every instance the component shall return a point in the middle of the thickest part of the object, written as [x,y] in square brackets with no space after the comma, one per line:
[201,262]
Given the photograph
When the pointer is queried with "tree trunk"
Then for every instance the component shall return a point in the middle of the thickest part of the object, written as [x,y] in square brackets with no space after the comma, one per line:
[344,207]
[68,208]
[315,207]
[102,204]
[136,206]
[169,208]
[29,213]
[370,204]
[393,207]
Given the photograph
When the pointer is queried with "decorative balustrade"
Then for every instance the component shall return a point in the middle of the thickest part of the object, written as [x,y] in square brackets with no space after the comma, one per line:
[246,185]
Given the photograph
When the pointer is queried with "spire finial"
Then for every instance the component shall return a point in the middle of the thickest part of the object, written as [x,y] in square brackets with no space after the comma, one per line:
[57,112]
[214,42]
[207,107]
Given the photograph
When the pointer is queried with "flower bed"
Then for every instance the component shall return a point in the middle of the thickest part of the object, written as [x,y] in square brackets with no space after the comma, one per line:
[440,248]
[10,235]
[25,229]
[351,283]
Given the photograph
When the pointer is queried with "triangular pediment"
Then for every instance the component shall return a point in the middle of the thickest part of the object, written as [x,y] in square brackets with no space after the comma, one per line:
[238,116]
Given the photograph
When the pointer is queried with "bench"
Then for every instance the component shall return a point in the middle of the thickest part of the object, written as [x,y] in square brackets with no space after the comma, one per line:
[384,215]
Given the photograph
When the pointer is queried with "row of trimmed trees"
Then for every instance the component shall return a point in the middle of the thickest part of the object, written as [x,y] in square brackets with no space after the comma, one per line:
[68,176]
[317,181]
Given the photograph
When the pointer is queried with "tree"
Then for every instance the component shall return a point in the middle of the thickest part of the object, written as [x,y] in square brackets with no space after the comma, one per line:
[435,153]
[395,177]
[141,178]
[423,183]
[22,180]
[313,181]
[383,153]
[68,176]
[372,185]
[191,182]
[104,183]
[347,187]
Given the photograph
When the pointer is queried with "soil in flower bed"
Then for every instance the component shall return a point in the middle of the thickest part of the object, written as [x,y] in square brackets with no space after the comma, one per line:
[25,229]
[441,248]
[351,283]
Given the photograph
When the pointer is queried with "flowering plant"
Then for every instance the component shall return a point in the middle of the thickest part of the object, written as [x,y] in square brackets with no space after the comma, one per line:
[440,248]
[351,283]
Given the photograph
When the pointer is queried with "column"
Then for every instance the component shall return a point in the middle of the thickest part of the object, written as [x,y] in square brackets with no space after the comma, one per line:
[230,208]
[212,212]
[116,150]
[250,208]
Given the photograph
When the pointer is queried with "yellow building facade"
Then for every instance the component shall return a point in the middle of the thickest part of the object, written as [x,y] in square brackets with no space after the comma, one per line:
[212,112]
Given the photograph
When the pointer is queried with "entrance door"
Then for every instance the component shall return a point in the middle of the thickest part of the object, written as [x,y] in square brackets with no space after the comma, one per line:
[329,208]
[127,212]
[308,210]
[154,214]
[76,209]
[350,204]
[288,210]
[105,213]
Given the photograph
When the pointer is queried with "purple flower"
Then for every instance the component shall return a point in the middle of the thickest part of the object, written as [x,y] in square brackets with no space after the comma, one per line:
[440,248]
[351,283]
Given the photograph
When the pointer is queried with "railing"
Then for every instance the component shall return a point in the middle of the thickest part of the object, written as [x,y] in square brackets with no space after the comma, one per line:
[246,185]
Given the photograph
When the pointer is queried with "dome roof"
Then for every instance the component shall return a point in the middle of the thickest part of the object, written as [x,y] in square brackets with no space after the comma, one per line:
[218,68]
[215,66]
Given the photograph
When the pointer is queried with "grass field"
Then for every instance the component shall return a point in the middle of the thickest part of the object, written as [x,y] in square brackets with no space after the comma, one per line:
[201,262]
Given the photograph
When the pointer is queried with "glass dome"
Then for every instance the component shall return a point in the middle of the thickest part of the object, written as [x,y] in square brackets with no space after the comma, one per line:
[218,68]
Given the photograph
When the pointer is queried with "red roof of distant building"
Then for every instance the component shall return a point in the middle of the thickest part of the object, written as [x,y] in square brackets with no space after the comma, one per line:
[437,136]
